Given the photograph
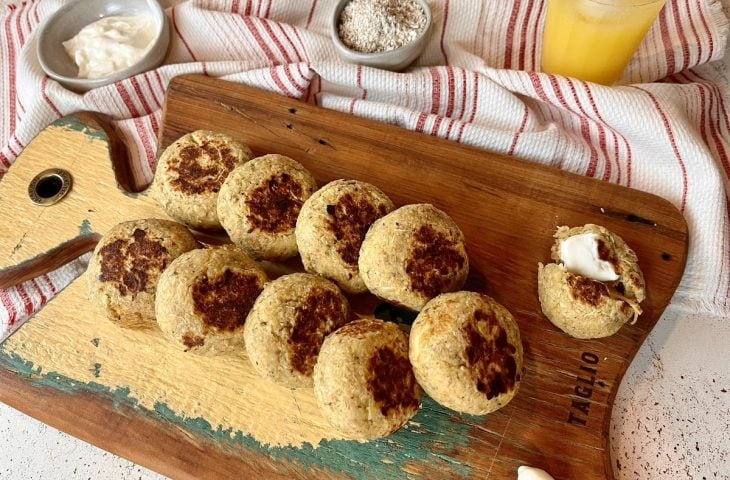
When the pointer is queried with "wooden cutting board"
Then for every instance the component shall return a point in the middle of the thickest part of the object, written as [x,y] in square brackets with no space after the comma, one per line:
[186,416]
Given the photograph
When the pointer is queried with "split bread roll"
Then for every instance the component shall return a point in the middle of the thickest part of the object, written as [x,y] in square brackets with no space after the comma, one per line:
[584,307]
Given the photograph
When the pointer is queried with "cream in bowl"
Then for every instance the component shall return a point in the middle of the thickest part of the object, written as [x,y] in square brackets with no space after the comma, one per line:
[386,34]
[111,44]
[91,43]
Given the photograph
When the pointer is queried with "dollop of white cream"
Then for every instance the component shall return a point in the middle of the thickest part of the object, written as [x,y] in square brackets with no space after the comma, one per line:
[111,44]
[530,473]
[579,255]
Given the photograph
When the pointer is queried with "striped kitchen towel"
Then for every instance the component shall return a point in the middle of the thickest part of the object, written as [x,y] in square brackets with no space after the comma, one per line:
[665,130]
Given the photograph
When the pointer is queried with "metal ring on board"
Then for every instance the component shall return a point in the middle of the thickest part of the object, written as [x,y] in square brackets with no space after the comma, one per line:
[49,186]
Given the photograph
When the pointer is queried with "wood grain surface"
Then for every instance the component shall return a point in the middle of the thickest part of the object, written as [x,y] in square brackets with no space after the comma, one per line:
[191,417]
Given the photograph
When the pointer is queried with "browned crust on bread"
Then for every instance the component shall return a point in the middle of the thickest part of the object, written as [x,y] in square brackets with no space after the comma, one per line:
[318,315]
[275,204]
[489,354]
[433,262]
[350,220]
[196,176]
[223,301]
[391,382]
[133,265]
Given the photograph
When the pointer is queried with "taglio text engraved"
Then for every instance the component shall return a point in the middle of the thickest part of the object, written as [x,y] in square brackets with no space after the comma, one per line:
[585,381]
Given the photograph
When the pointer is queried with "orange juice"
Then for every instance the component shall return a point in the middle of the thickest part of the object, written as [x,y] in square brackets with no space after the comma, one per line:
[594,39]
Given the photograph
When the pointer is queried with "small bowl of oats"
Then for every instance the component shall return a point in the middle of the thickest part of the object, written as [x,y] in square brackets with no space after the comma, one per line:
[387,34]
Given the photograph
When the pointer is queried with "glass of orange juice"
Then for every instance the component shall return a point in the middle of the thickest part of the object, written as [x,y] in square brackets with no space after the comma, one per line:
[594,39]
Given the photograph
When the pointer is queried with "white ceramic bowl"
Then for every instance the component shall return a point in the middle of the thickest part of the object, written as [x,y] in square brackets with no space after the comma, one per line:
[395,60]
[66,23]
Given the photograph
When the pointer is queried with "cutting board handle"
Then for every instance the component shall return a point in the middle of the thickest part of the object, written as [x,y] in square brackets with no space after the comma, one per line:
[47,236]
[49,261]
[118,153]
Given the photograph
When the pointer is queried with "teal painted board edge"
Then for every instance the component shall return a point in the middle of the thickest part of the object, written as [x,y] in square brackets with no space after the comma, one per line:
[73,122]
[423,440]
[85,228]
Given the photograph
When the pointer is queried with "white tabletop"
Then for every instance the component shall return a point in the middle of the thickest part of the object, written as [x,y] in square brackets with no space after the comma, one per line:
[671,417]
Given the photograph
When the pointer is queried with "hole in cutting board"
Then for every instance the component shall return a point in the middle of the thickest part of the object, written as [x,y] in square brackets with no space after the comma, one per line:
[49,186]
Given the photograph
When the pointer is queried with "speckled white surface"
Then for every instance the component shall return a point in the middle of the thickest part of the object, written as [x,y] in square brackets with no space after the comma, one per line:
[30,450]
[671,418]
